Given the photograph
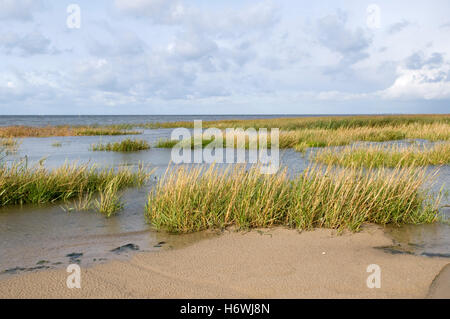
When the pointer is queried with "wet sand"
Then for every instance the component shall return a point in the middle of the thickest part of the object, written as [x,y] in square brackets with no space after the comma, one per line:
[440,288]
[275,263]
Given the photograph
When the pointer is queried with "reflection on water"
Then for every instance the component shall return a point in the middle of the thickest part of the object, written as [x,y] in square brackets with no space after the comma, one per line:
[37,237]
[431,240]
[34,237]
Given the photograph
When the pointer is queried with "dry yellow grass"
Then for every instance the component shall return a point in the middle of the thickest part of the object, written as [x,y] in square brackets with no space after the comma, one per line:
[320,122]
[302,133]
[387,156]
[345,136]
[47,131]
[9,145]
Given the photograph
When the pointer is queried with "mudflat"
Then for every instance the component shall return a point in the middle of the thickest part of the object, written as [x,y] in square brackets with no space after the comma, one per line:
[265,263]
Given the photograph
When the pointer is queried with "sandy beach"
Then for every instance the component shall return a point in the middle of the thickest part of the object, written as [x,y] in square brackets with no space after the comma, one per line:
[275,263]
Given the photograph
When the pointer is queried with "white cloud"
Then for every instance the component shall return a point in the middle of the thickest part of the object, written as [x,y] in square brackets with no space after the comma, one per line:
[218,22]
[29,44]
[333,33]
[288,56]
[21,86]
[398,27]
[19,9]
[158,11]
[191,46]
[418,60]
[425,83]
[119,42]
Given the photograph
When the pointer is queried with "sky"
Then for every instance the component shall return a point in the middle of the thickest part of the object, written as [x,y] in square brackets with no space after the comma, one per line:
[224,57]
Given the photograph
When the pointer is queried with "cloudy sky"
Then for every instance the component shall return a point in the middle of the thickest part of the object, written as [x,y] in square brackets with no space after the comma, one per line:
[224,57]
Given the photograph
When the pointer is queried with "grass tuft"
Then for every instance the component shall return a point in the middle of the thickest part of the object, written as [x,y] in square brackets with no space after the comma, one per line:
[188,200]
[109,201]
[164,143]
[9,145]
[128,145]
[20,184]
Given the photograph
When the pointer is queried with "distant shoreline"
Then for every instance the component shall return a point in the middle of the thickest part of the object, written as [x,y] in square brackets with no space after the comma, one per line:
[91,119]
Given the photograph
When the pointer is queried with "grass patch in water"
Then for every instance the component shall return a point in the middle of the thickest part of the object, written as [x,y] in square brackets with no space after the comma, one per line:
[47,131]
[319,122]
[386,156]
[9,145]
[303,139]
[109,201]
[165,143]
[305,132]
[188,200]
[20,184]
[128,145]
[103,132]
[299,133]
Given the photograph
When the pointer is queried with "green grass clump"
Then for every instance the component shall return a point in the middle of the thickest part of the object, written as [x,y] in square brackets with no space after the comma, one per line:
[187,200]
[164,143]
[109,201]
[20,184]
[9,145]
[240,139]
[128,145]
[382,156]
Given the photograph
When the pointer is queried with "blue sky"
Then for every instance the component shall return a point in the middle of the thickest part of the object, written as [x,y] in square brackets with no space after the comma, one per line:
[225,57]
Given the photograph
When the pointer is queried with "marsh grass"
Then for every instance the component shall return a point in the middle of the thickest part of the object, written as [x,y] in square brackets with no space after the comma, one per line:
[83,203]
[320,122]
[102,132]
[240,139]
[299,133]
[188,200]
[385,156]
[305,132]
[165,143]
[302,139]
[20,184]
[109,201]
[47,131]
[57,144]
[9,145]
[127,145]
